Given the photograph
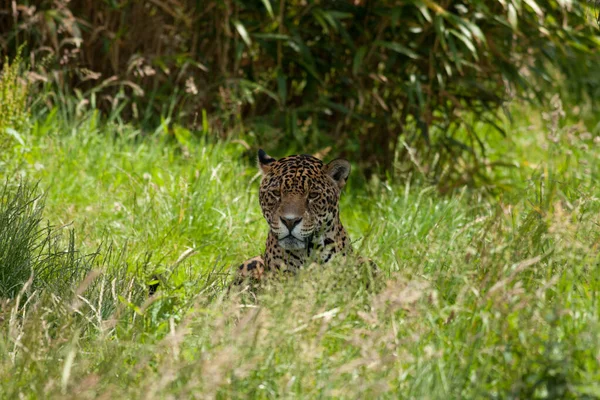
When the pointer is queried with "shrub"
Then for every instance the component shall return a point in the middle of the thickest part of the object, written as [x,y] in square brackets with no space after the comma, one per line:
[378,80]
[14,114]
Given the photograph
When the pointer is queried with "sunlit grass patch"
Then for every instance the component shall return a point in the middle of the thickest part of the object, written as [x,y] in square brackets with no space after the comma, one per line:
[477,295]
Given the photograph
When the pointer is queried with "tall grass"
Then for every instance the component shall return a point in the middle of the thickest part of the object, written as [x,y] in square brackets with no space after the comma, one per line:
[21,237]
[479,295]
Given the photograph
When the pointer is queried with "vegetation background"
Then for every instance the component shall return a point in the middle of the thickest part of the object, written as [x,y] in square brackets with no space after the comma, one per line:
[128,131]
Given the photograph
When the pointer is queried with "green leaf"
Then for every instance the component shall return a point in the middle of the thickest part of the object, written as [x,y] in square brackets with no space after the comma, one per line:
[468,43]
[535,7]
[448,68]
[204,121]
[330,20]
[465,31]
[298,45]
[398,48]
[512,16]
[336,106]
[358,59]
[310,69]
[475,30]
[340,15]
[269,8]
[259,88]
[591,390]
[438,24]
[182,135]
[243,32]
[395,14]
[282,86]
[15,135]
[454,54]
[272,36]
[424,10]
[318,14]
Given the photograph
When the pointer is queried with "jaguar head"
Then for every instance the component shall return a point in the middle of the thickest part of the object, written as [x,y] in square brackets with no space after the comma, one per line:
[299,196]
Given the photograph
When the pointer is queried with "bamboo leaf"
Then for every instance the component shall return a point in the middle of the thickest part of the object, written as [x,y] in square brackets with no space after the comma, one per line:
[398,48]
[468,43]
[259,88]
[512,16]
[318,14]
[475,30]
[16,135]
[271,36]
[310,69]
[441,31]
[243,32]
[340,15]
[358,59]
[534,6]
[281,86]
[423,9]
[267,4]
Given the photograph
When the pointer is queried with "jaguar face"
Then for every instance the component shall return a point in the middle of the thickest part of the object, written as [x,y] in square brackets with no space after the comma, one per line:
[299,196]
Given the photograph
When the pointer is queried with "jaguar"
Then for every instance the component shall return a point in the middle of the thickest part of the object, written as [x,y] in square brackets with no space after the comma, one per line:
[299,198]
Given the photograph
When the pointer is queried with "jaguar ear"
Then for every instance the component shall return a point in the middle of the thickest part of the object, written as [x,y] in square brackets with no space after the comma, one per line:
[339,170]
[264,161]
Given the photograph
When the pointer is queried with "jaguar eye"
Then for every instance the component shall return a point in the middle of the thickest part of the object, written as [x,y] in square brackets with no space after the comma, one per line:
[313,195]
[275,193]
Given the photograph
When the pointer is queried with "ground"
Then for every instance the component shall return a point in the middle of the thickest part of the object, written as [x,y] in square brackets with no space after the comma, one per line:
[480,295]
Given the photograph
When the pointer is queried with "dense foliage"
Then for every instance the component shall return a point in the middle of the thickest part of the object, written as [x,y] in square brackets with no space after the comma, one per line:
[379,80]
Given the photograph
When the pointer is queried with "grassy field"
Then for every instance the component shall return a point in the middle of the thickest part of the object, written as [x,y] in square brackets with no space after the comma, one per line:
[481,295]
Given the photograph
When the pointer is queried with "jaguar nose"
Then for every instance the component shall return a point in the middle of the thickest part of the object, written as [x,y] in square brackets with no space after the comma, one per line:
[290,223]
